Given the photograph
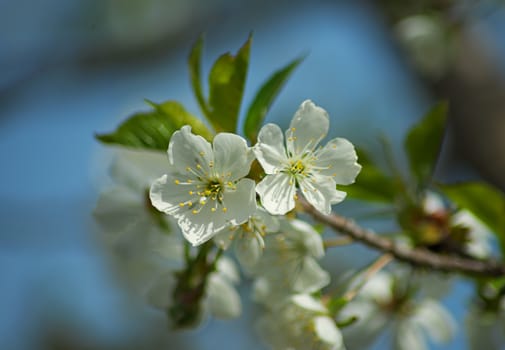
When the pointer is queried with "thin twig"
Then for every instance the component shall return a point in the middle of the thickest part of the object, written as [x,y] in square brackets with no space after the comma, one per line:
[377,265]
[419,257]
[337,242]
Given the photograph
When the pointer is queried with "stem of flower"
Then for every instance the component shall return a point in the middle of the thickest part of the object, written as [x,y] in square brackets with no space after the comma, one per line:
[419,257]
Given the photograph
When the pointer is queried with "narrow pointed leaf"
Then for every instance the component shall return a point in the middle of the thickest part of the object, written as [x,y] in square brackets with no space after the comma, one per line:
[153,129]
[226,87]
[482,200]
[265,97]
[424,141]
[194,62]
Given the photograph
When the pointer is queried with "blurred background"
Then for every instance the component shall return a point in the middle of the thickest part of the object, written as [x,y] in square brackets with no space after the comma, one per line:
[69,69]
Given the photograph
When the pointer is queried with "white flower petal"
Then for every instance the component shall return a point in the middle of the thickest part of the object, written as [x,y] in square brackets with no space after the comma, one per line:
[261,290]
[308,127]
[200,227]
[270,150]
[210,219]
[189,151]
[227,269]
[312,241]
[269,330]
[232,156]
[137,169]
[249,250]
[311,277]
[338,159]
[117,209]
[321,192]
[241,203]
[370,324]
[308,302]
[435,320]
[270,223]
[480,238]
[277,193]
[433,203]
[225,238]
[327,331]
[166,195]
[222,298]
[408,337]
[378,288]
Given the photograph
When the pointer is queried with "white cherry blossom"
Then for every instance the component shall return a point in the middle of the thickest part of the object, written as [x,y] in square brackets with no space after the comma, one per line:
[300,163]
[204,188]
[301,322]
[144,241]
[247,238]
[379,306]
[289,263]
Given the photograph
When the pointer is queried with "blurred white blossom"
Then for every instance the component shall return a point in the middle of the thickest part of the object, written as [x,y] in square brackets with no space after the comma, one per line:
[145,241]
[300,323]
[384,303]
[248,238]
[289,263]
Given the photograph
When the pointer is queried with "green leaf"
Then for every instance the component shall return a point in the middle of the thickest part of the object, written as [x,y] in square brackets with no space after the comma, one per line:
[265,97]
[153,129]
[372,184]
[194,62]
[423,143]
[484,201]
[226,87]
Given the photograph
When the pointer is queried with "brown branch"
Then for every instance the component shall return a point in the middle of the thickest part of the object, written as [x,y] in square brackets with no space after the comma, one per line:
[415,256]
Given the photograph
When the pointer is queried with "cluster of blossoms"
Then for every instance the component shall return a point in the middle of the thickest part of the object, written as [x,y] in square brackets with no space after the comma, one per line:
[148,245]
[206,191]
[210,194]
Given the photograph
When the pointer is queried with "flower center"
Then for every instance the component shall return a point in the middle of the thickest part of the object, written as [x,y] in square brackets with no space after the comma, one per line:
[214,190]
[297,167]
